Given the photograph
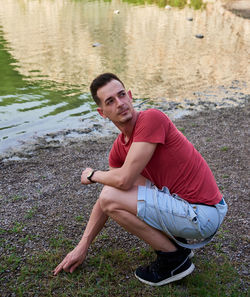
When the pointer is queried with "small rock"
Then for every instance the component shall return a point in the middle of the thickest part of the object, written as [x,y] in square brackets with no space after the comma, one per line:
[96,44]
[200,36]
[190,19]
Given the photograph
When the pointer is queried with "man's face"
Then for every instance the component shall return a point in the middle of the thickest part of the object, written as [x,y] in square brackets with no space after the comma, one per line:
[116,103]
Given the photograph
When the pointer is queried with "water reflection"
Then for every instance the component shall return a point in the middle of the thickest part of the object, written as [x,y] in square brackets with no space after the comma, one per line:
[168,4]
[47,57]
[154,50]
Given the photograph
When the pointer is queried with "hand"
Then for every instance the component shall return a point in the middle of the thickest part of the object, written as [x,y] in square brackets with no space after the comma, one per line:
[71,261]
[85,173]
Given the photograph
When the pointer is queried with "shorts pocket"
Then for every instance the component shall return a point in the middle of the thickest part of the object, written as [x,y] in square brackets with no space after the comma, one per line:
[180,208]
[181,219]
[208,219]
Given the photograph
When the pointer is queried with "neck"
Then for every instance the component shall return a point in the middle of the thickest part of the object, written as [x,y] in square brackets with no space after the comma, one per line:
[128,127]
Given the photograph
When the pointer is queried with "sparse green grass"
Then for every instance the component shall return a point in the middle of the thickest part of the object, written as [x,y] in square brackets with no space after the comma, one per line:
[31,212]
[79,218]
[224,148]
[2,231]
[25,239]
[103,235]
[182,129]
[60,241]
[18,198]
[110,272]
[17,228]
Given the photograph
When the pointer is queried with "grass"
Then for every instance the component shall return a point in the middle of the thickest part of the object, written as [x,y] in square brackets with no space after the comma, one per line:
[106,271]
[18,198]
[224,148]
[31,212]
[182,129]
[17,228]
[109,272]
[79,218]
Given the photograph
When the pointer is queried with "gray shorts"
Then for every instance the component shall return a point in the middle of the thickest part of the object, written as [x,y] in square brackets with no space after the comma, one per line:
[160,209]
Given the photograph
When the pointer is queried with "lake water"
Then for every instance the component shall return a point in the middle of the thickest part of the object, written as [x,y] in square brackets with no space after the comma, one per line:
[51,50]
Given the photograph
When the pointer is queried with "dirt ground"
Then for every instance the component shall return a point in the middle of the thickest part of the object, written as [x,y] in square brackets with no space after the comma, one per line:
[46,186]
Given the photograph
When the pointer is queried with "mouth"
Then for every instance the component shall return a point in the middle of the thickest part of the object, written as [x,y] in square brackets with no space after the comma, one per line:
[123,112]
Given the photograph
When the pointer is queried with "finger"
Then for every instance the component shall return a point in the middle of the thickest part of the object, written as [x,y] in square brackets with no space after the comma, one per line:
[68,265]
[57,269]
[74,267]
[83,177]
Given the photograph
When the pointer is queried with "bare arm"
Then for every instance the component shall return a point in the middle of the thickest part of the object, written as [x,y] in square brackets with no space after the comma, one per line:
[95,224]
[124,178]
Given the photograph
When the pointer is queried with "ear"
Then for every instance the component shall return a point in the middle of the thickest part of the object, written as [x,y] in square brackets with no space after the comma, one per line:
[130,95]
[101,112]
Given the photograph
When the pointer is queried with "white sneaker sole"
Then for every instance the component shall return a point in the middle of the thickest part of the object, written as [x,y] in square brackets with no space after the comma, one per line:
[170,279]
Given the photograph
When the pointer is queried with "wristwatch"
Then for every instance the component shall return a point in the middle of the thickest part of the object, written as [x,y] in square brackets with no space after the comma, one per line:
[89,177]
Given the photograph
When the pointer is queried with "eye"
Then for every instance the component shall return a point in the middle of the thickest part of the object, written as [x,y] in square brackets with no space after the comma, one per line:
[110,101]
[122,94]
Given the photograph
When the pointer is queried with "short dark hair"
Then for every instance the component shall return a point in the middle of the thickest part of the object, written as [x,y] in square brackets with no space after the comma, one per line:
[99,82]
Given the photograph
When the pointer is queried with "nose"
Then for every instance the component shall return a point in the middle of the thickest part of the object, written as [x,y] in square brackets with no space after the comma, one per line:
[119,101]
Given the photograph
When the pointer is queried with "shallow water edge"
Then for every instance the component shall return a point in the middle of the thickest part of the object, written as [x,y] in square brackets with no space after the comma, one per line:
[103,129]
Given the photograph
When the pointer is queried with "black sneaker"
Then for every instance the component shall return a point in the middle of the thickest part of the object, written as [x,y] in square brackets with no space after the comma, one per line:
[187,251]
[167,268]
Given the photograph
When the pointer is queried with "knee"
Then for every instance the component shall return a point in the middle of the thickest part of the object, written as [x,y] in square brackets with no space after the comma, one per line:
[106,200]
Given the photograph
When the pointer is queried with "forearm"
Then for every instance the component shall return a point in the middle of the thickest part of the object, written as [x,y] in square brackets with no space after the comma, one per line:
[124,178]
[117,178]
[95,224]
[77,255]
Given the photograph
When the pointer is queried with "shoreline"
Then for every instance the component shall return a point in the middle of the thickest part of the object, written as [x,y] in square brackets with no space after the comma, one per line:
[208,99]
[102,129]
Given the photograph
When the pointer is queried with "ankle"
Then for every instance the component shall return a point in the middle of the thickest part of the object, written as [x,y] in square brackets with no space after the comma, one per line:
[168,250]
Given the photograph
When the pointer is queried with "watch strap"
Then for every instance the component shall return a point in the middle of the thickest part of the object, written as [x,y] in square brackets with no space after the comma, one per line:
[89,177]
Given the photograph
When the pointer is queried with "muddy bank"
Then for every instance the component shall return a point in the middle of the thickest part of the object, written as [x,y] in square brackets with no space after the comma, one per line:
[43,195]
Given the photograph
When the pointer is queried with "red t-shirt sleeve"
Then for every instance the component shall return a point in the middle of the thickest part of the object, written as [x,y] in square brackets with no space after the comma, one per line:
[152,126]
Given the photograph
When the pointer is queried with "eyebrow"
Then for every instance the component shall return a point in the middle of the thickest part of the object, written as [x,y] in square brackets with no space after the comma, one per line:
[111,97]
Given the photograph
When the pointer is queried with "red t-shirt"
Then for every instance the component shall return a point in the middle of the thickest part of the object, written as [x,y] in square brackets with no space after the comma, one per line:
[175,163]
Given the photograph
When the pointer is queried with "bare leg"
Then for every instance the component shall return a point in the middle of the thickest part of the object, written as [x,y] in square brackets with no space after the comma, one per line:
[121,206]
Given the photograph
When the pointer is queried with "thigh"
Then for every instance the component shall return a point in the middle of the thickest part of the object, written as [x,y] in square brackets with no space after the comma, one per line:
[120,199]
[112,198]
[163,211]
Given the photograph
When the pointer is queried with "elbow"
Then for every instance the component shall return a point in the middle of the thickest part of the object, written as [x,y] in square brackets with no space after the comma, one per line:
[126,187]
[124,184]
